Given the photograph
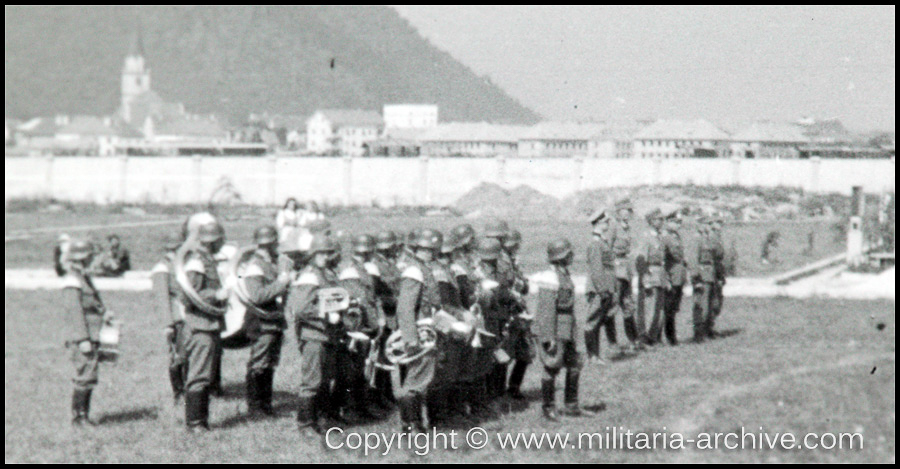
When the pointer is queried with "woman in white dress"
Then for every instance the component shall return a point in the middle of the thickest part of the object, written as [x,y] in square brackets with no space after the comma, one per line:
[288,220]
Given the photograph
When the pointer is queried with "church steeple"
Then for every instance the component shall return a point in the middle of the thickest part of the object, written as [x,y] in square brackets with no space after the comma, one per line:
[135,75]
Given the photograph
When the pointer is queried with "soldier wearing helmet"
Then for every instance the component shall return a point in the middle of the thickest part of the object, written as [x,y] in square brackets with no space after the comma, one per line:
[359,276]
[387,286]
[419,298]
[265,284]
[493,296]
[557,331]
[171,313]
[652,279]
[519,326]
[203,324]
[407,252]
[601,285]
[703,280]
[320,346]
[85,312]
[462,263]
[451,298]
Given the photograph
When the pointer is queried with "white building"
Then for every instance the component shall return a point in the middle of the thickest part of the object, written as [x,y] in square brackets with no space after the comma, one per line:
[681,139]
[135,79]
[410,116]
[769,140]
[342,131]
[471,139]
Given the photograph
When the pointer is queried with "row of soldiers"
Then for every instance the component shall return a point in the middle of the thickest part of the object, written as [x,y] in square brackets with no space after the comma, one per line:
[395,282]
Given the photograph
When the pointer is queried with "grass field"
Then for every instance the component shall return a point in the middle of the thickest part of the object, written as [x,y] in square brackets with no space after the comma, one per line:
[144,241]
[787,365]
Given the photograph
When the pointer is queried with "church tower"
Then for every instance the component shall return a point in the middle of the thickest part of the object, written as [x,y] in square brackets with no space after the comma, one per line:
[135,77]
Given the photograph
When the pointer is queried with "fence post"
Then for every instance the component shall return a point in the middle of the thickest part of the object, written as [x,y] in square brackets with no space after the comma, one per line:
[501,169]
[273,179]
[198,179]
[424,196]
[348,179]
[814,169]
[578,173]
[736,171]
[48,181]
[123,178]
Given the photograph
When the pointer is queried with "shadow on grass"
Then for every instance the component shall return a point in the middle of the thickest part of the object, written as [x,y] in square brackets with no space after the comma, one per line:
[724,334]
[282,403]
[131,415]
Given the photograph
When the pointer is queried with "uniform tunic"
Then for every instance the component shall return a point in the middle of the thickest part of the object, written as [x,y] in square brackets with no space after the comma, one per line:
[600,292]
[204,328]
[556,320]
[418,299]
[171,313]
[84,311]
[260,277]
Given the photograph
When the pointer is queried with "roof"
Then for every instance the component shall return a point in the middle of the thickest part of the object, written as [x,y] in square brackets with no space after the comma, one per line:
[351,117]
[699,129]
[564,131]
[39,127]
[827,130]
[771,132]
[473,132]
[191,127]
[86,126]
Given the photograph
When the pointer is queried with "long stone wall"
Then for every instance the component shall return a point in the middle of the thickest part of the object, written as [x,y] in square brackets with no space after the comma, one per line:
[408,181]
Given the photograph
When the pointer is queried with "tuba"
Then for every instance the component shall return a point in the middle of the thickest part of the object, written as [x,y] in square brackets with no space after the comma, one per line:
[467,330]
[189,246]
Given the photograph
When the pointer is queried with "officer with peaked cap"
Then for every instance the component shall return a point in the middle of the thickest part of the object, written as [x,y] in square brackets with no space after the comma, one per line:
[652,278]
[601,285]
[622,245]
[676,272]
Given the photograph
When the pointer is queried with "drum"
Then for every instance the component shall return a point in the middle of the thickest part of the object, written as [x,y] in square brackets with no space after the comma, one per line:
[108,350]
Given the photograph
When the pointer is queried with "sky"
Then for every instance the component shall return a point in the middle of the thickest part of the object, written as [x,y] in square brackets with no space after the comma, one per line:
[732,65]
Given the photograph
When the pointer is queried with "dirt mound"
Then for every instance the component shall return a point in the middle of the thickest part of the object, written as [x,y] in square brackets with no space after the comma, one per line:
[523,202]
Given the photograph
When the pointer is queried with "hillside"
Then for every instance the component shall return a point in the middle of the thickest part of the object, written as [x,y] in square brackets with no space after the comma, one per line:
[234,60]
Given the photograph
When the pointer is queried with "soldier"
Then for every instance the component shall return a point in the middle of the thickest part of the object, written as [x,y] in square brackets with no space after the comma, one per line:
[265,283]
[557,331]
[702,280]
[358,277]
[601,286]
[718,298]
[204,324]
[387,286]
[317,338]
[652,279]
[419,297]
[444,275]
[624,272]
[165,293]
[462,264]
[85,313]
[519,326]
[676,271]
[493,295]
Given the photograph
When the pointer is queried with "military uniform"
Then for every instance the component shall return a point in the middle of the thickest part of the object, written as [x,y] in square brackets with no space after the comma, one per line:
[359,278]
[204,339]
[418,298]
[653,285]
[717,297]
[556,326]
[676,271]
[600,293]
[704,281]
[519,330]
[494,297]
[386,277]
[265,294]
[84,311]
[621,247]
[320,345]
[171,313]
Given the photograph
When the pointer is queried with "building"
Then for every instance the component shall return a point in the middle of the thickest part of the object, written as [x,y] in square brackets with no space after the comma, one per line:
[135,80]
[560,139]
[768,140]
[681,139]
[471,139]
[410,116]
[342,131]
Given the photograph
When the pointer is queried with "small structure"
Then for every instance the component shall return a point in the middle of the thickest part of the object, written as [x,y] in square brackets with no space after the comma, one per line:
[472,139]
[410,116]
[681,139]
[768,140]
[342,131]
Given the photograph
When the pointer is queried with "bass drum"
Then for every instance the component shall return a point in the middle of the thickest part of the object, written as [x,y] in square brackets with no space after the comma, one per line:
[239,322]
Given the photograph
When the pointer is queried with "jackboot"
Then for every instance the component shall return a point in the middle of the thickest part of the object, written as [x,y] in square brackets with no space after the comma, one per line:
[81,404]
[548,398]
[196,409]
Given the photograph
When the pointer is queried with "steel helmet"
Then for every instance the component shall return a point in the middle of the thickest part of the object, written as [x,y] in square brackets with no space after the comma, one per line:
[450,244]
[558,250]
[265,235]
[489,249]
[323,243]
[513,240]
[496,229]
[171,241]
[385,240]
[428,239]
[80,250]
[210,233]
[464,234]
[363,244]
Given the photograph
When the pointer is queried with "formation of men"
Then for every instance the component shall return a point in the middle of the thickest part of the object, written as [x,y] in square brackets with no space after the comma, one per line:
[392,284]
